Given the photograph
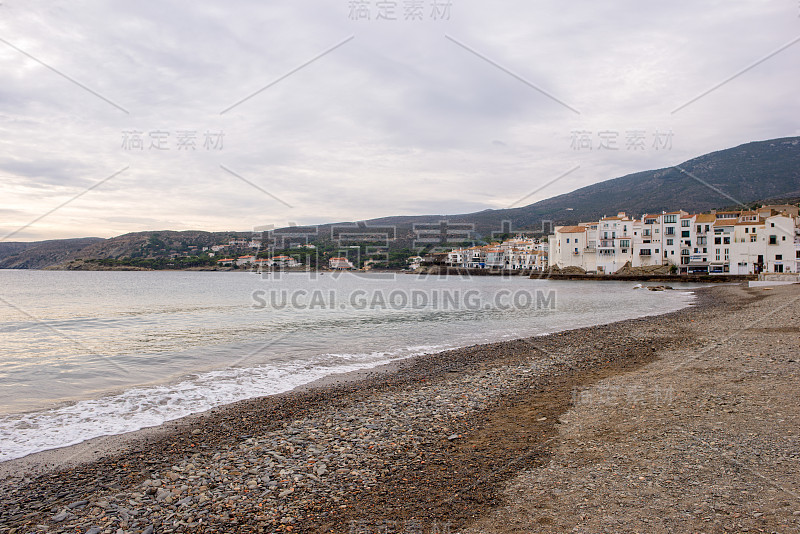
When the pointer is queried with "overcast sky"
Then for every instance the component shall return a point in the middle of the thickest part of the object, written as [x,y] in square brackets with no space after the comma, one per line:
[446,109]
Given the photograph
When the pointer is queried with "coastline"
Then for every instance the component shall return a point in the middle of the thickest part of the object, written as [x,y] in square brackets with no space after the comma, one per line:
[431,439]
[85,452]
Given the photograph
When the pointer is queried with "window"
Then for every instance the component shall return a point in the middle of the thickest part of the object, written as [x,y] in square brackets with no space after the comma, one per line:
[699,229]
[773,240]
[685,233]
[797,253]
[783,238]
[625,243]
[702,240]
[685,252]
[669,241]
[645,252]
[646,232]
[727,254]
[772,225]
[707,227]
[752,238]
[567,240]
[685,223]
[726,240]
[705,250]
[717,240]
[778,257]
[746,230]
[670,218]
[670,230]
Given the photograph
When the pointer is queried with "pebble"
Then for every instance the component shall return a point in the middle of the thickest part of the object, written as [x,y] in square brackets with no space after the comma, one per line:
[282,462]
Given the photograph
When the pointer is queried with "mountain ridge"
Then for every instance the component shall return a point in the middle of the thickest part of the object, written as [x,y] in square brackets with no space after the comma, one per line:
[754,171]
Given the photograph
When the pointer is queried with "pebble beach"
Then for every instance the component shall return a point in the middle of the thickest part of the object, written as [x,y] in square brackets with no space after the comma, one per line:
[530,435]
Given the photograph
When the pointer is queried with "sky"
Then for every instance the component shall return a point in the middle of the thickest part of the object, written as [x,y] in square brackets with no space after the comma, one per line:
[119,117]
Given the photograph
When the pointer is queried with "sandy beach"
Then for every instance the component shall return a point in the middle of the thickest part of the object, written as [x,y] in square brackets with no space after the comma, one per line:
[685,422]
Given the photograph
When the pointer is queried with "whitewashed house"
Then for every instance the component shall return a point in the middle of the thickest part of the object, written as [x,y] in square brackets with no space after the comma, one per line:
[340,263]
[780,234]
[567,247]
[283,261]
[614,243]
[748,246]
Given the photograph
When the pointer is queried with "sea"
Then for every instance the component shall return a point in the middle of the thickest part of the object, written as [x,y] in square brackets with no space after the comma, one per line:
[90,354]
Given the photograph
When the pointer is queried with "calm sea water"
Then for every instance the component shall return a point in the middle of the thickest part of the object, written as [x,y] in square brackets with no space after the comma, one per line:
[87,354]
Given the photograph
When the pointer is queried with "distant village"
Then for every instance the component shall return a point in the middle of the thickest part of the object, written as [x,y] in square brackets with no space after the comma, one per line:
[766,239]
[743,242]
[280,261]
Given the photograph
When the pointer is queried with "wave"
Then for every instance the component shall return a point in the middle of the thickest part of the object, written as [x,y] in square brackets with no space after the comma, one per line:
[142,407]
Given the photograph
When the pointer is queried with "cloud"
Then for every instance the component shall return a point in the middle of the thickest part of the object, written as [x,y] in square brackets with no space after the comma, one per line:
[398,120]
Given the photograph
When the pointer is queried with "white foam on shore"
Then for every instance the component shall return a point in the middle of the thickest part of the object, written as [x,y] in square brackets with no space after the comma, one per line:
[142,407]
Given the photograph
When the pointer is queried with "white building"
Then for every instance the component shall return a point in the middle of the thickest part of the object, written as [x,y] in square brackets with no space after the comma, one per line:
[614,243]
[284,262]
[414,262]
[568,248]
[495,258]
[747,250]
[340,263]
[699,258]
[735,242]
[245,260]
[518,254]
[780,236]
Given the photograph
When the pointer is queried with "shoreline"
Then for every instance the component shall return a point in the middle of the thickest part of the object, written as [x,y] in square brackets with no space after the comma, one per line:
[434,440]
[87,451]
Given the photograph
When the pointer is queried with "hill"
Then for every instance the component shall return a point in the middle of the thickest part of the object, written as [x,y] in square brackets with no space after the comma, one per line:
[754,172]
[41,254]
